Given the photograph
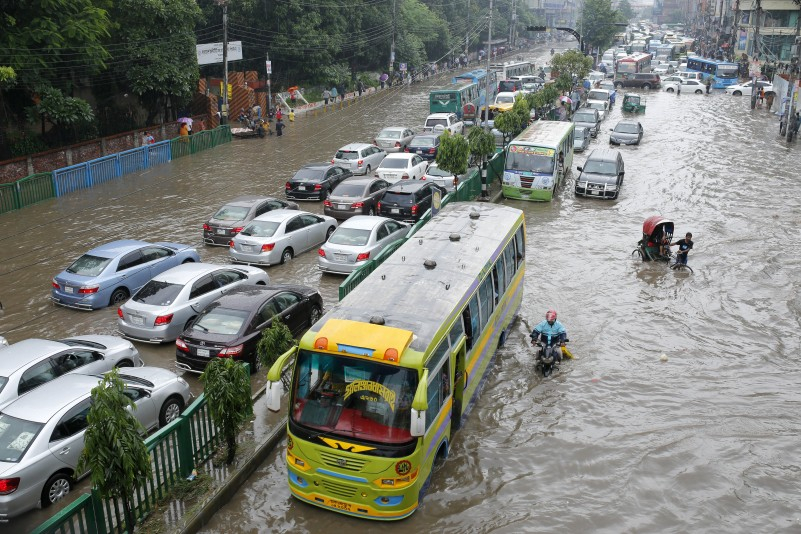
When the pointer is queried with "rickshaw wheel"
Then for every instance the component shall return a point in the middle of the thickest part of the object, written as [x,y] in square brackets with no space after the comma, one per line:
[681,267]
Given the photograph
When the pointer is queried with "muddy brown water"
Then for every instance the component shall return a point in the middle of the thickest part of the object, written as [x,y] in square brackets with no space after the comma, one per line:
[617,440]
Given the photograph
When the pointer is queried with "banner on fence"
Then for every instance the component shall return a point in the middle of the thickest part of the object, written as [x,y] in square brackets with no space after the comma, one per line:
[210,53]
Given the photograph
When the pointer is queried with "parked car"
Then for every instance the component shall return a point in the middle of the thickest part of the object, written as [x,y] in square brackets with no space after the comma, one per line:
[163,308]
[746,88]
[315,181]
[424,145]
[445,179]
[109,274]
[357,240]
[408,200]
[393,139]
[397,167]
[232,217]
[359,158]
[602,174]
[687,86]
[28,364]
[626,132]
[355,196]
[589,118]
[278,236]
[581,138]
[601,105]
[643,80]
[42,432]
[231,326]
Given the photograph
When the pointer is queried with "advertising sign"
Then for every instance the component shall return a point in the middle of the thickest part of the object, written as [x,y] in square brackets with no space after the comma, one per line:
[210,53]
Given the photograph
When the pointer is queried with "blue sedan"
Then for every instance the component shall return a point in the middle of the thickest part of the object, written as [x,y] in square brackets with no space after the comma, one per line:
[109,274]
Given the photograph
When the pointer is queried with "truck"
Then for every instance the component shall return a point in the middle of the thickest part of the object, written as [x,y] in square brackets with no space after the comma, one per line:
[439,122]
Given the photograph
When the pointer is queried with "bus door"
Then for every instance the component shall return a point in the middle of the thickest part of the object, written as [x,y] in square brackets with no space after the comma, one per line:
[458,347]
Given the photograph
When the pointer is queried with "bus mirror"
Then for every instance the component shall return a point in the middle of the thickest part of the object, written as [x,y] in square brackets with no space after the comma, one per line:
[274,374]
[274,392]
[418,425]
[420,401]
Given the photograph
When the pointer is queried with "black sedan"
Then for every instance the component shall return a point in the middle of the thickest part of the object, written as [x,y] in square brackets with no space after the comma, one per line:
[355,196]
[424,145]
[235,214]
[315,181]
[626,132]
[231,326]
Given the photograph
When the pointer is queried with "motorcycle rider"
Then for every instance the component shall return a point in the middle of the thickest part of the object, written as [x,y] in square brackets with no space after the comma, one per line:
[553,334]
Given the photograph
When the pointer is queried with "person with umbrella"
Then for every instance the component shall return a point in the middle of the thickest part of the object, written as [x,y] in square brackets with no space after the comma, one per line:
[383,79]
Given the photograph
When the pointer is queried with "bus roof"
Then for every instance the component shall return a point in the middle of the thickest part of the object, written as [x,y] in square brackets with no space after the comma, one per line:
[455,86]
[548,134]
[408,295]
[473,76]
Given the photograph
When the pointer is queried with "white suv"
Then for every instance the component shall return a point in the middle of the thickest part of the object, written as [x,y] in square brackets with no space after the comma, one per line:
[359,158]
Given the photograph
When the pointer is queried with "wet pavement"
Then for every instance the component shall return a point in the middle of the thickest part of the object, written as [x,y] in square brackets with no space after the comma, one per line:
[617,440]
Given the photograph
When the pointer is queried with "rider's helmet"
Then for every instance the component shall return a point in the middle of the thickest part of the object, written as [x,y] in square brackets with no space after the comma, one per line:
[550,316]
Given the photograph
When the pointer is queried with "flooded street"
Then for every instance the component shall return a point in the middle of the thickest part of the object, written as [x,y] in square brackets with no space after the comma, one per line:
[617,440]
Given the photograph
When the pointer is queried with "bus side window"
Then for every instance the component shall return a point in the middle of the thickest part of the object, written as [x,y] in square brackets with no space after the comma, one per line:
[470,316]
[508,253]
[521,249]
[456,332]
[498,280]
[485,298]
[438,390]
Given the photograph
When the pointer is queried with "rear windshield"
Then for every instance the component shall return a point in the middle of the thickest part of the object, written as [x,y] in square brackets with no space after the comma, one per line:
[158,293]
[505,99]
[627,128]
[584,117]
[88,265]
[346,154]
[232,213]
[260,229]
[421,140]
[601,167]
[350,236]
[390,134]
[436,171]
[221,321]
[508,85]
[404,199]
[308,175]
[348,190]
[16,435]
[597,95]
[437,122]
[392,163]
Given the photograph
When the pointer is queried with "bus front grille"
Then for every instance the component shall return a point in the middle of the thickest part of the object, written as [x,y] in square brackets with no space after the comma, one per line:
[526,181]
[342,462]
[342,491]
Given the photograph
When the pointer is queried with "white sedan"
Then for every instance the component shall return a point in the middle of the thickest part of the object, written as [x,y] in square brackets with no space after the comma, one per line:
[745,89]
[687,86]
[403,166]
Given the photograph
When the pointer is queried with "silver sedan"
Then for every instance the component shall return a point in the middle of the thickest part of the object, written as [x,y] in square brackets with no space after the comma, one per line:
[278,236]
[393,139]
[357,240]
[165,306]
[42,432]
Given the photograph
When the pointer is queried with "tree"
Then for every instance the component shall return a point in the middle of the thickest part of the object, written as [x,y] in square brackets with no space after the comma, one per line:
[113,447]
[227,389]
[508,124]
[597,23]
[625,11]
[60,110]
[482,145]
[572,64]
[275,341]
[453,153]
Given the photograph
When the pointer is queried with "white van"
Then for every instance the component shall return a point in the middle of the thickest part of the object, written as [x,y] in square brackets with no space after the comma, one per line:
[690,75]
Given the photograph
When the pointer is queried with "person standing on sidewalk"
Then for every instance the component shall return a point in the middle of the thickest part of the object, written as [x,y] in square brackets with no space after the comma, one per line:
[326,96]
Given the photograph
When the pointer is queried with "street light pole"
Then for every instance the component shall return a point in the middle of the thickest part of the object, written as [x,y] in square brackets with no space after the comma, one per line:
[392,46]
[467,32]
[754,90]
[224,110]
[489,59]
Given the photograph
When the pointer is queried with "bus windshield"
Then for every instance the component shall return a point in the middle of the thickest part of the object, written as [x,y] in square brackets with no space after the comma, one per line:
[728,71]
[530,161]
[353,398]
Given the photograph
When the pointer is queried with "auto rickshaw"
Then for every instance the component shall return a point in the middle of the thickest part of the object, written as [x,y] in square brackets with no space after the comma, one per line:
[633,103]
[657,234]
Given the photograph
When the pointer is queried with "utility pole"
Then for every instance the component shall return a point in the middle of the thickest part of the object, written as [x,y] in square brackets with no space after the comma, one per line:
[392,46]
[484,186]
[756,52]
[269,85]
[790,117]
[467,32]
[224,110]
[734,27]
[512,20]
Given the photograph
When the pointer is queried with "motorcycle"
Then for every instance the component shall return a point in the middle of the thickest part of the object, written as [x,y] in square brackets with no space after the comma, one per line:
[548,358]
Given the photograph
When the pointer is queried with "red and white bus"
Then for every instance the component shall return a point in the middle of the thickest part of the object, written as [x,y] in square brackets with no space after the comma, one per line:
[634,63]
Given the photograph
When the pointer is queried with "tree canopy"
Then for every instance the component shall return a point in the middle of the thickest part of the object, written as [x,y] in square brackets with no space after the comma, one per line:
[598,23]
[572,63]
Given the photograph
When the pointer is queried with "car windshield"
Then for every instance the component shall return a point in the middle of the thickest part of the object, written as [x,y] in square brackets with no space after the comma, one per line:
[521,161]
[88,265]
[398,197]
[308,175]
[392,163]
[505,99]
[260,229]
[350,236]
[346,154]
[597,105]
[584,117]
[16,435]
[221,321]
[601,167]
[390,134]
[353,398]
[158,293]
[423,140]
[3,382]
[626,127]
[348,190]
[231,213]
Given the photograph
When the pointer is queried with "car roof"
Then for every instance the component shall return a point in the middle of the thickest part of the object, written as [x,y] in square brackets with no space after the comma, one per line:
[355,146]
[247,200]
[115,248]
[439,115]
[321,165]
[358,180]
[181,274]
[400,155]
[603,154]
[280,215]
[42,403]
[364,222]
[628,121]
[394,128]
[406,186]
[23,352]
[248,298]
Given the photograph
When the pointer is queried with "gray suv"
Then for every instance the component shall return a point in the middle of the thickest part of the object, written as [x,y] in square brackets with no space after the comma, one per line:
[642,80]
[602,174]
[589,118]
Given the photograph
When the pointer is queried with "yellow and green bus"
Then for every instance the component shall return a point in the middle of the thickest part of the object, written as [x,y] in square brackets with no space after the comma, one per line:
[538,160]
[383,380]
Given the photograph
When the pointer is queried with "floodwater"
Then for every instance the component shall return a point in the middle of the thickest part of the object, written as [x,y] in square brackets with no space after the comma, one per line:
[617,440]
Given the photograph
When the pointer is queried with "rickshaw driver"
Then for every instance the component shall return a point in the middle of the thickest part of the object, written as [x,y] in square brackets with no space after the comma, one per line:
[551,332]
[684,248]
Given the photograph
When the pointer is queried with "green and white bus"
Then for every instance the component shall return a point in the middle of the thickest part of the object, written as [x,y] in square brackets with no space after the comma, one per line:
[538,160]
[384,379]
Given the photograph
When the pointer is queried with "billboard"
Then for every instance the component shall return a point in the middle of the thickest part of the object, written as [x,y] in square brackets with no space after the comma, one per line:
[213,52]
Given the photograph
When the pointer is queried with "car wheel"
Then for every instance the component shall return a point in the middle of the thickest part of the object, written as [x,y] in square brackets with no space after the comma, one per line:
[119,296]
[315,315]
[170,411]
[124,363]
[669,90]
[367,171]
[618,86]
[737,93]
[699,92]
[286,255]
[188,260]
[646,86]
[329,232]
[56,488]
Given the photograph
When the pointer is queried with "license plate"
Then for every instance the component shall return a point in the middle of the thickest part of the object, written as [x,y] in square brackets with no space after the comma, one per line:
[308,188]
[394,211]
[340,257]
[420,151]
[68,289]
[221,231]
[342,206]
[595,192]
[339,505]
[247,248]
[136,320]
[203,352]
